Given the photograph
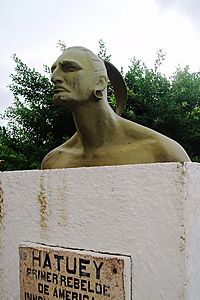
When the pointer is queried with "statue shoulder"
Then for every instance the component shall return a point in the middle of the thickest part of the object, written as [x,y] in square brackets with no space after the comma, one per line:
[163,148]
[56,158]
[172,151]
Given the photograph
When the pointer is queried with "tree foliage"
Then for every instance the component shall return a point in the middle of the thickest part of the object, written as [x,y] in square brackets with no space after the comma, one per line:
[103,53]
[35,125]
[170,106]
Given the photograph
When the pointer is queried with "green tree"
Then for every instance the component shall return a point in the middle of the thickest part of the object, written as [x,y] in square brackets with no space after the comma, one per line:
[170,106]
[185,107]
[103,52]
[35,124]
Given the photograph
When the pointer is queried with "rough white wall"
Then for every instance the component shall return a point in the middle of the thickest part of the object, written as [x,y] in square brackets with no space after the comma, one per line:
[151,212]
[192,230]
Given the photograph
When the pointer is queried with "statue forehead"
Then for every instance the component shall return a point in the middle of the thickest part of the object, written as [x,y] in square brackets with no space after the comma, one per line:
[83,56]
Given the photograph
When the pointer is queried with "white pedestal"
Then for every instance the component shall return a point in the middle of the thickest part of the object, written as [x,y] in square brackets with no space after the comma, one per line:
[150,212]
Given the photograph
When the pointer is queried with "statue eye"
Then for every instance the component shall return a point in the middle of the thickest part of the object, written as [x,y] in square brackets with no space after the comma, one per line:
[70,67]
[53,68]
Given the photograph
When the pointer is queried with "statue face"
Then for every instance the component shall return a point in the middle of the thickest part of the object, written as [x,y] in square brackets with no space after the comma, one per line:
[73,75]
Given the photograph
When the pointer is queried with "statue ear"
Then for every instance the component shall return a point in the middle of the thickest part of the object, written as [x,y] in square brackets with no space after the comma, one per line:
[101,85]
[102,82]
[119,86]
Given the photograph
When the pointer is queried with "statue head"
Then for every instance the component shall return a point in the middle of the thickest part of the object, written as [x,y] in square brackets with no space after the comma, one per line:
[80,76]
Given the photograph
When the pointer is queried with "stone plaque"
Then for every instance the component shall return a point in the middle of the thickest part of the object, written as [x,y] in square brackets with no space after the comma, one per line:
[48,273]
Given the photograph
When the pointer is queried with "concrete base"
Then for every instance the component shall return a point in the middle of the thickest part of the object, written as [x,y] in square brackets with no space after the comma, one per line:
[150,212]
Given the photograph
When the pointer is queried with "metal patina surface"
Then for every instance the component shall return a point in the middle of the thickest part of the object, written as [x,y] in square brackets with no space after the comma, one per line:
[103,138]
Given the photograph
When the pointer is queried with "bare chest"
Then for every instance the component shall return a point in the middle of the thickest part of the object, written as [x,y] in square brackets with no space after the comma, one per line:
[116,155]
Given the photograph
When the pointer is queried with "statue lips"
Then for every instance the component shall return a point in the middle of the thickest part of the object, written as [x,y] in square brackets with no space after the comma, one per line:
[59,89]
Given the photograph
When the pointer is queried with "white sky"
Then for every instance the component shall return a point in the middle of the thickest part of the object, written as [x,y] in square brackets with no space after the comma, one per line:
[32,28]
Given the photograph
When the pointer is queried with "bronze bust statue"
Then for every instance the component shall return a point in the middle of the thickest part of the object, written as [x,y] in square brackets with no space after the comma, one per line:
[103,138]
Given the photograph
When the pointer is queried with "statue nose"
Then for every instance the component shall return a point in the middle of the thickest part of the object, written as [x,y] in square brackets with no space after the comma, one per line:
[55,78]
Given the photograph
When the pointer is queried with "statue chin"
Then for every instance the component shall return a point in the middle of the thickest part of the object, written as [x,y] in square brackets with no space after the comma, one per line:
[62,99]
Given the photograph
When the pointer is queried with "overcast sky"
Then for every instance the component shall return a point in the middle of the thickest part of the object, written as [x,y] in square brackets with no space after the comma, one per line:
[32,28]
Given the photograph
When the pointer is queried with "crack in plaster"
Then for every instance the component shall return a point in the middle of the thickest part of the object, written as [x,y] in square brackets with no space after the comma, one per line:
[42,204]
[1,205]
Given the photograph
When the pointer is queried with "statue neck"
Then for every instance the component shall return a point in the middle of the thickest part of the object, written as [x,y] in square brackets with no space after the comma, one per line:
[95,123]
